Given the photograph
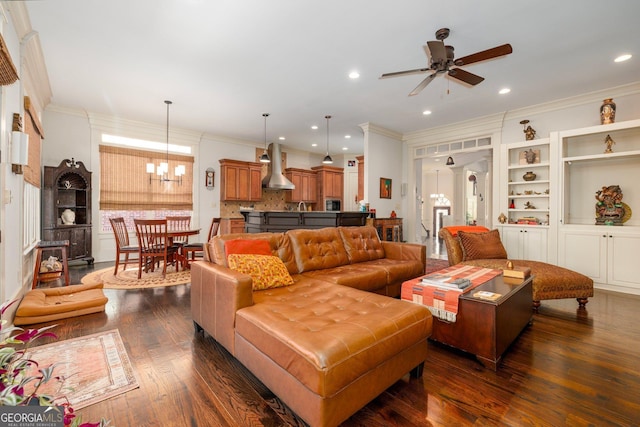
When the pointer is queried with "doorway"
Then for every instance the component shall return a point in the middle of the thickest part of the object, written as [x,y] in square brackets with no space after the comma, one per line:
[438,213]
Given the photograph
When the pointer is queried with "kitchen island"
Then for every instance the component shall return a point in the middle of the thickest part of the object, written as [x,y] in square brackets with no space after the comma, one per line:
[278,221]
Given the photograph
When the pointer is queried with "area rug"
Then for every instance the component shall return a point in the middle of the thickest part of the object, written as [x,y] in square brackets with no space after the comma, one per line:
[435,264]
[128,279]
[95,367]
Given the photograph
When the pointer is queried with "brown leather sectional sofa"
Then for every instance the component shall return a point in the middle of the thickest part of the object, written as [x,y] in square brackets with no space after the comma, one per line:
[332,341]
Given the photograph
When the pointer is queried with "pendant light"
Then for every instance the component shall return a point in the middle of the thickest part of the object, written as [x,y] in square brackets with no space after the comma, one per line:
[437,194]
[327,159]
[450,161]
[265,156]
[162,170]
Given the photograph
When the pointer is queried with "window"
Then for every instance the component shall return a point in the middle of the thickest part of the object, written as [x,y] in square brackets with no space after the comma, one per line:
[126,185]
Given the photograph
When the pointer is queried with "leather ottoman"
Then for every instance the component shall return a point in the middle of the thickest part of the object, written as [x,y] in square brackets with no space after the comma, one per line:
[327,350]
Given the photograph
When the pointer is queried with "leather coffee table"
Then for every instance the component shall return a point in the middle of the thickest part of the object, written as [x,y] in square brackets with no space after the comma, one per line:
[487,328]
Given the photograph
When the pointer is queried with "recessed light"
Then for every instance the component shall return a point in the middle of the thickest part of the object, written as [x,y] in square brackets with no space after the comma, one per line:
[426,112]
[622,58]
[282,138]
[314,145]
[354,75]
[504,91]
[314,127]
[347,137]
[345,148]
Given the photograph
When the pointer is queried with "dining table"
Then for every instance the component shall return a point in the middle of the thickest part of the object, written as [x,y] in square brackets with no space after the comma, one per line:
[172,234]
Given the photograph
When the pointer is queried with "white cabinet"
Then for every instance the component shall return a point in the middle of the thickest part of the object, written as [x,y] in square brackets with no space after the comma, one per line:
[526,242]
[606,254]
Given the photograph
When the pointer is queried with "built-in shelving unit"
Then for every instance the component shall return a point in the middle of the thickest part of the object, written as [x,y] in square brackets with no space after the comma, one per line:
[527,202]
[607,254]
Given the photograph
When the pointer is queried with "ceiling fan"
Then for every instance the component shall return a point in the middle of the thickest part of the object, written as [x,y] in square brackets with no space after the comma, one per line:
[441,60]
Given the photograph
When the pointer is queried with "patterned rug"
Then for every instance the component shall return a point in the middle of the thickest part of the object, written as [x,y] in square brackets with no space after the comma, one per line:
[128,279]
[434,264]
[95,367]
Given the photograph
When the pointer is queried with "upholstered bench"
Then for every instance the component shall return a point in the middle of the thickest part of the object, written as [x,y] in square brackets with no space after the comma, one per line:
[549,281]
[47,304]
[329,349]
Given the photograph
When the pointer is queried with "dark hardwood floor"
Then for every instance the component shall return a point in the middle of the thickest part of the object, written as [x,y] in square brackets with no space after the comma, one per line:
[568,368]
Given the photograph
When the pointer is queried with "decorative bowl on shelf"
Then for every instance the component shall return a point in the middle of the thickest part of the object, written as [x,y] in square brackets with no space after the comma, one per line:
[529,176]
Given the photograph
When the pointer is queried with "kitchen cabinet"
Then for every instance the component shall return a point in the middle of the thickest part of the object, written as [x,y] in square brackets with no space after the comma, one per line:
[67,187]
[330,183]
[231,225]
[526,242]
[240,181]
[360,160]
[306,182]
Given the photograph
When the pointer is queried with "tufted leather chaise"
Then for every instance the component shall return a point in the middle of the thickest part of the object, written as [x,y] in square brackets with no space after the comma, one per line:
[549,281]
[324,345]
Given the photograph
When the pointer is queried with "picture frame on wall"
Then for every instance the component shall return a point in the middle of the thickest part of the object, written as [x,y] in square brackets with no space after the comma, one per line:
[385,188]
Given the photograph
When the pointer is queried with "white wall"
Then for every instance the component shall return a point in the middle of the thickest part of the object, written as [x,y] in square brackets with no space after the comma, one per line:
[15,265]
[383,153]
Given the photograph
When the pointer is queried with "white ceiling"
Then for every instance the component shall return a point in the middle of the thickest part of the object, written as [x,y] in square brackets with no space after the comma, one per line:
[224,63]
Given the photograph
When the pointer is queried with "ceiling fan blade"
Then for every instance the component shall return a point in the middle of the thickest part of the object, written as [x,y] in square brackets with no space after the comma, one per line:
[423,84]
[465,76]
[404,73]
[505,49]
[436,51]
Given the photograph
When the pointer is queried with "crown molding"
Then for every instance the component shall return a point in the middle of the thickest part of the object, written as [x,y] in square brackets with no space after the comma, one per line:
[379,130]
[32,66]
[575,101]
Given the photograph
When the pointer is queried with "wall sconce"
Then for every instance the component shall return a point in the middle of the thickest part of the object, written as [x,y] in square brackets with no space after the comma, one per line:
[19,151]
[450,161]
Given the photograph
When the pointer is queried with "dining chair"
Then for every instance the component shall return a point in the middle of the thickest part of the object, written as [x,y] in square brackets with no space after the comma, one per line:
[193,251]
[179,223]
[123,246]
[154,245]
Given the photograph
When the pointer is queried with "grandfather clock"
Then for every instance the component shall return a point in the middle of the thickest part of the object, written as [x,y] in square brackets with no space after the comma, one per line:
[66,207]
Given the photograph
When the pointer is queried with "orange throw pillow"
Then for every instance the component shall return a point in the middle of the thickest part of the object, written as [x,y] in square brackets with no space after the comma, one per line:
[266,271]
[481,245]
[247,246]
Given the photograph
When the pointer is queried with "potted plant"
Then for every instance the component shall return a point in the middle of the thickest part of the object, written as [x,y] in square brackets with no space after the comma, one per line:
[20,388]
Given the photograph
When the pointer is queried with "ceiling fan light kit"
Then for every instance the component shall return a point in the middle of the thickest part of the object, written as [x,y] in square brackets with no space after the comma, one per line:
[442,59]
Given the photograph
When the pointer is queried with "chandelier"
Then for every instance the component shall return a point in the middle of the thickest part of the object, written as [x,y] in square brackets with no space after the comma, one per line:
[162,170]
[437,195]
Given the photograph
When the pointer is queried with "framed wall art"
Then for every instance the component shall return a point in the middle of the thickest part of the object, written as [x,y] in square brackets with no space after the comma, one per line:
[385,188]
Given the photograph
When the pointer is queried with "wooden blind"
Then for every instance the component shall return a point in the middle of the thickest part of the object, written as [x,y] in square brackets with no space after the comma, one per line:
[8,72]
[124,181]
[33,128]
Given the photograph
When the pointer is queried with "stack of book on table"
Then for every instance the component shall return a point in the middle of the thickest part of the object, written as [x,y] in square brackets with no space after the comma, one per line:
[445,281]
